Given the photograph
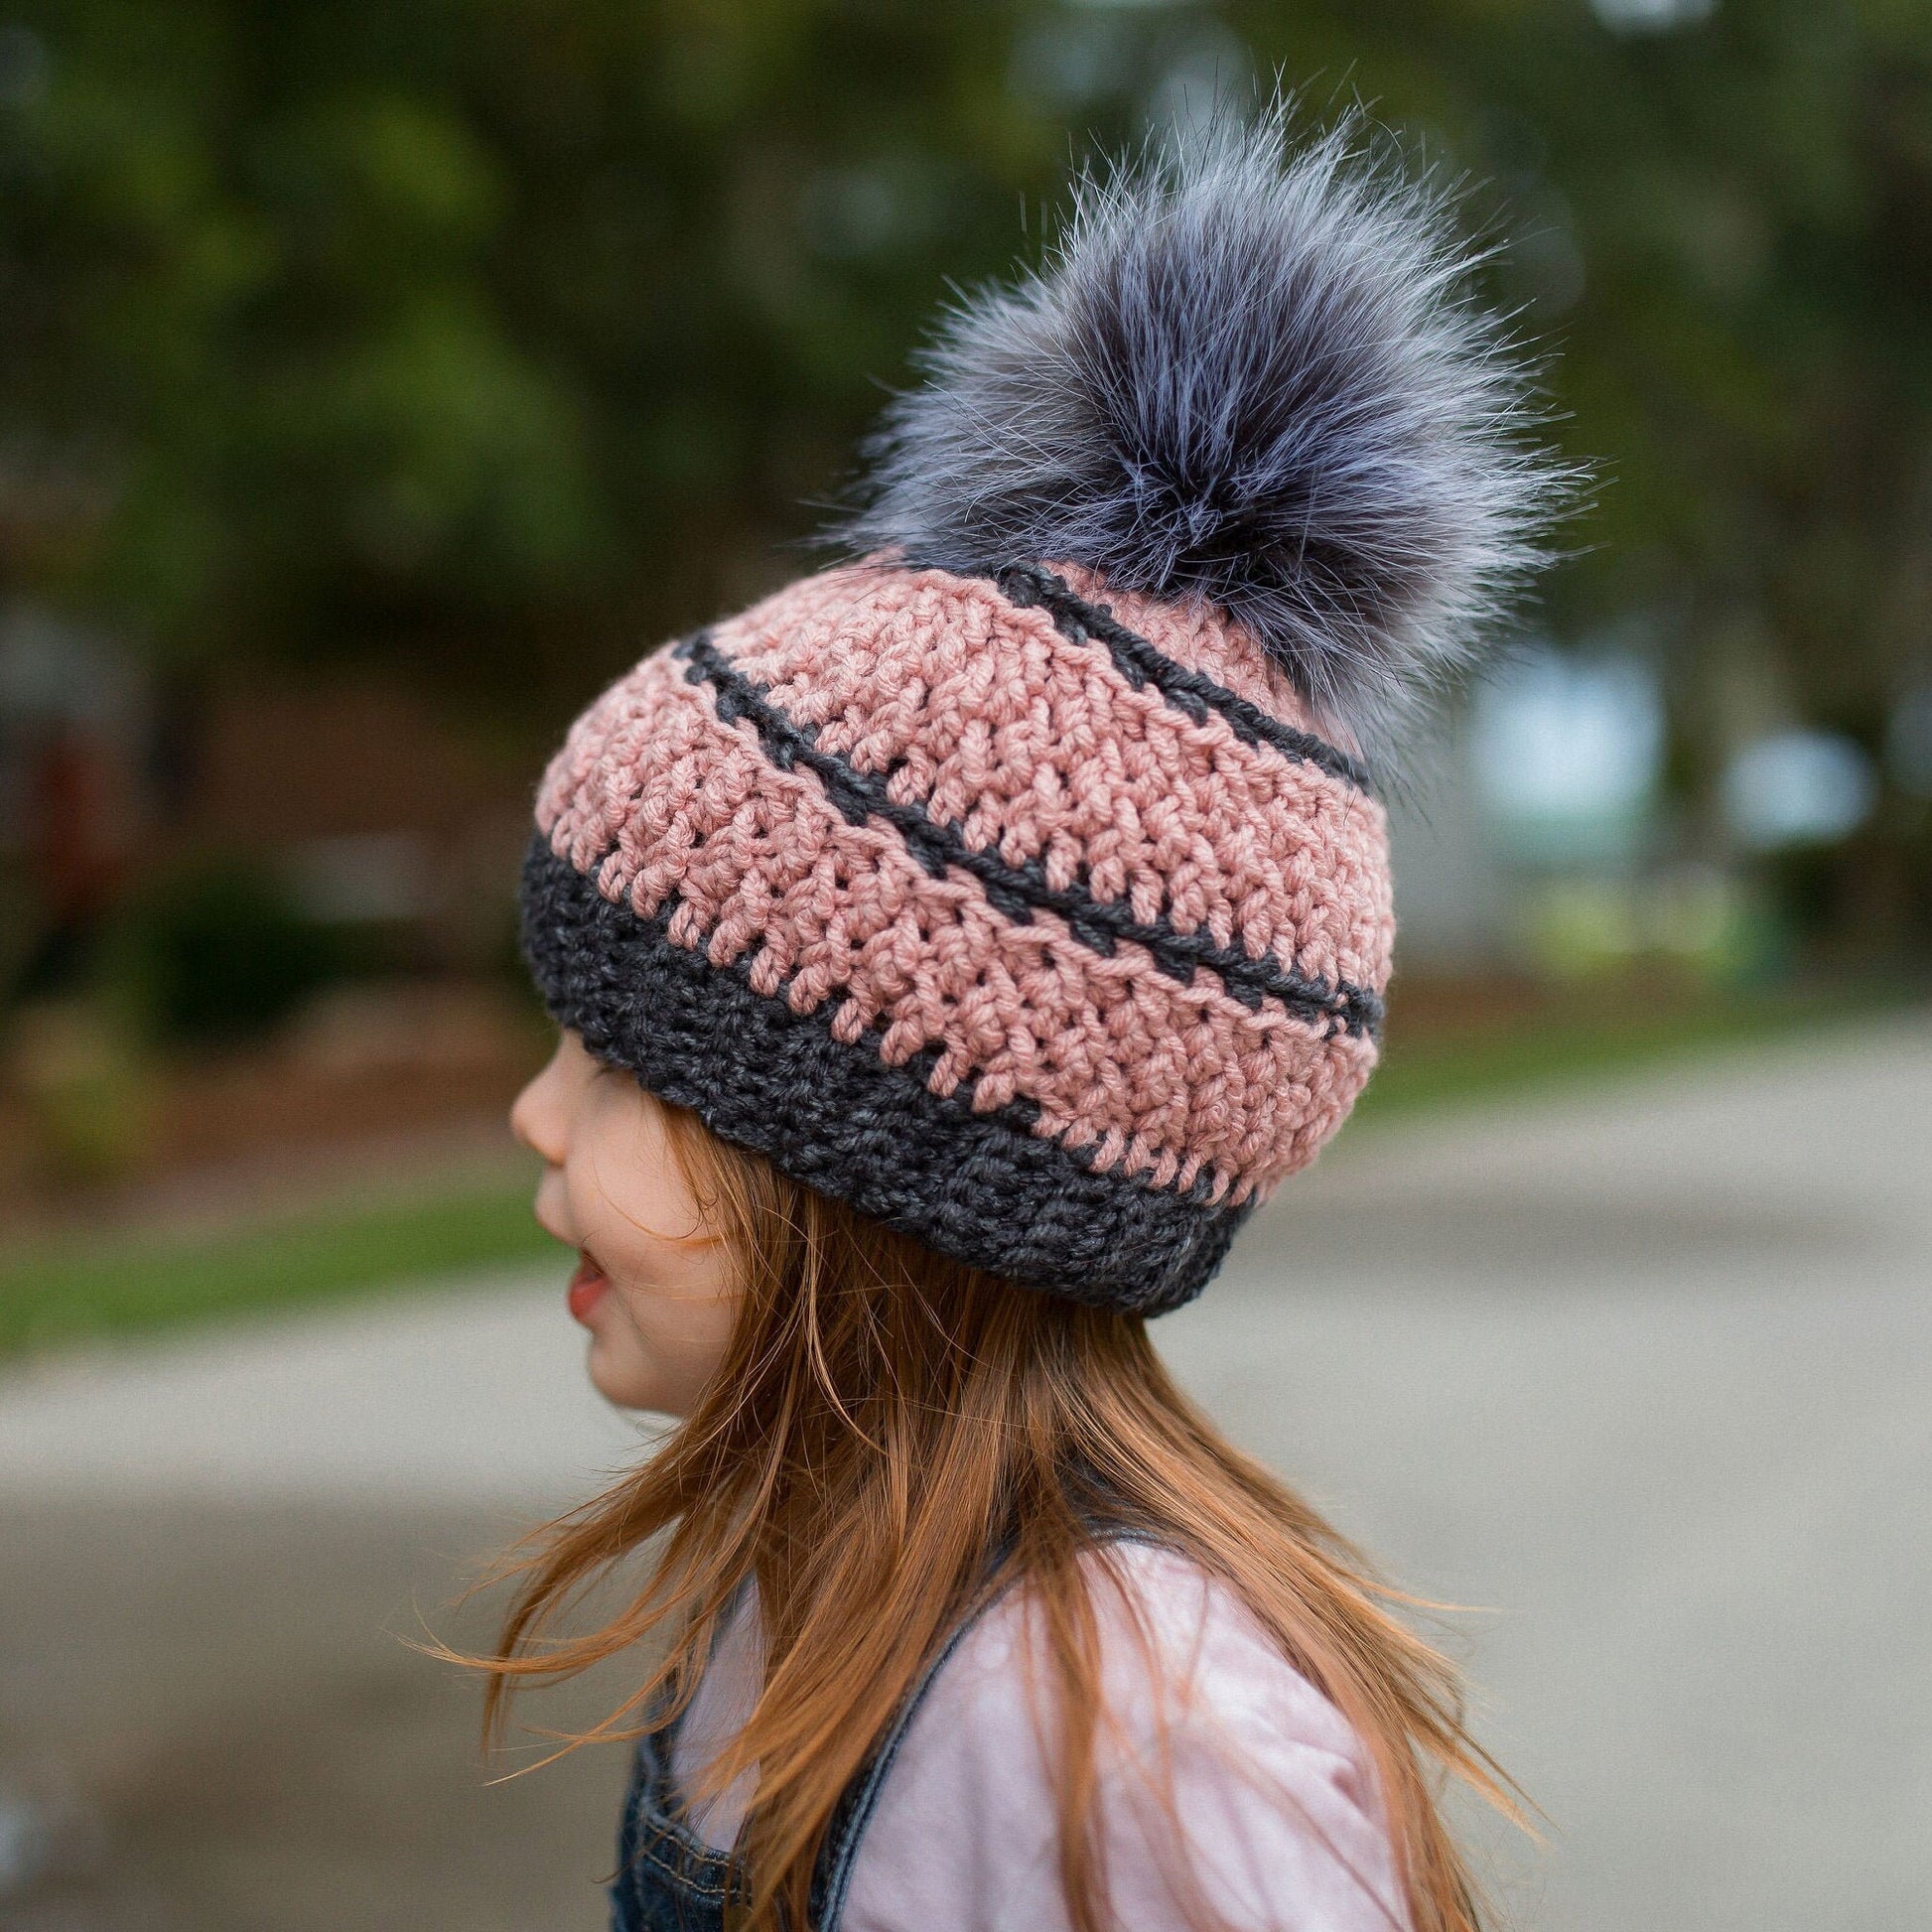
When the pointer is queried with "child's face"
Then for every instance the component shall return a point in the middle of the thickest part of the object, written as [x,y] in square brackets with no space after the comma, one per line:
[653,1284]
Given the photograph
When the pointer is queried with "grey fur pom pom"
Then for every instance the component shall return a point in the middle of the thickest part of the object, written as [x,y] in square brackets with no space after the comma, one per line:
[1249,372]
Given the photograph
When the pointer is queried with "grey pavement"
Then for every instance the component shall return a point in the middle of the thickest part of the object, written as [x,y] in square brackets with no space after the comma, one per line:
[1642,1373]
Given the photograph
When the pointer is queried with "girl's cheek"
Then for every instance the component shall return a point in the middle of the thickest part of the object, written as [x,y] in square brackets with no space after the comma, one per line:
[679,1329]
[677,1339]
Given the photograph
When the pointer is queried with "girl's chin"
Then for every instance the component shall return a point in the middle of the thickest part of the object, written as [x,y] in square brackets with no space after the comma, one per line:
[613,1365]
[620,1389]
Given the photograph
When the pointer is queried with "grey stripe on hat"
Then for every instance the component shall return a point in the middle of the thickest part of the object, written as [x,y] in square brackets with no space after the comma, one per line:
[982,1188]
[1017,890]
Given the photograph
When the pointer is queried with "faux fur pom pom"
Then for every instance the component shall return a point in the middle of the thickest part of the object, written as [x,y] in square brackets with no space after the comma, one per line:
[1251,372]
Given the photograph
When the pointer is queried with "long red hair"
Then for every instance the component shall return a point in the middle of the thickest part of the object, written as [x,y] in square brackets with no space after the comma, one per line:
[881,1419]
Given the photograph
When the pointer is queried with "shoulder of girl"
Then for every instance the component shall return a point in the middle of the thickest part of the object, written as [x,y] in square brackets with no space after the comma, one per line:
[1182,1660]
[1207,1727]
[1182,1653]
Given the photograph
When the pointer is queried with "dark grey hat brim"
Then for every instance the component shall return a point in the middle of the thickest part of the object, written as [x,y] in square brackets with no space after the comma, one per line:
[981,1188]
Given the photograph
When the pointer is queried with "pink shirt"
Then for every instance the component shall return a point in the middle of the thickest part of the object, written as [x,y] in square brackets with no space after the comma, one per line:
[1281,1821]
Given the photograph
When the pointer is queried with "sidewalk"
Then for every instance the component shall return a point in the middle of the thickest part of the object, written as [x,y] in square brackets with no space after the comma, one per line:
[1646,1369]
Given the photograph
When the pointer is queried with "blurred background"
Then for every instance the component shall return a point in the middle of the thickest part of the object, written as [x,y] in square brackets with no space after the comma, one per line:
[379,379]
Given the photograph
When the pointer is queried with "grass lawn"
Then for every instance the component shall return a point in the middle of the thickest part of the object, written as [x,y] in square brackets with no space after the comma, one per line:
[53,1293]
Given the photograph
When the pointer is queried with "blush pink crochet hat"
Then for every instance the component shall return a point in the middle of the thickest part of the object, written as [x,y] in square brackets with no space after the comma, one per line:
[1024,884]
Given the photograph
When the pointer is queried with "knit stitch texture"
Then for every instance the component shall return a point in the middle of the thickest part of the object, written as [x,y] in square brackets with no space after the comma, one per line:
[1032,920]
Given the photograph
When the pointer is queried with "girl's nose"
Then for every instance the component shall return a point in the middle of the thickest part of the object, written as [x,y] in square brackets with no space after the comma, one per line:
[536,1121]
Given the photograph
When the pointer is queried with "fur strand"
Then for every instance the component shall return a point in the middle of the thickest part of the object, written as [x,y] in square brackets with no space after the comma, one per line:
[1251,373]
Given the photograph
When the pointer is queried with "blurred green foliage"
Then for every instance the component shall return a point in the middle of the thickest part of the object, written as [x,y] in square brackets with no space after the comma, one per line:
[215,952]
[497,336]
[84,1085]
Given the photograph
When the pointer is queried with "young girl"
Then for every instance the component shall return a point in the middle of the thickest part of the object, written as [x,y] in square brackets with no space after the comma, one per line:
[950,953]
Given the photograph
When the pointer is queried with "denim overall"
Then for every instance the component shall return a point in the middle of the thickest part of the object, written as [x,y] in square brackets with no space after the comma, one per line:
[671,1881]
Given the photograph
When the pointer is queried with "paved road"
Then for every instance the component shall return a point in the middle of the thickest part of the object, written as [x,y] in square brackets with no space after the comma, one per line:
[1647,1372]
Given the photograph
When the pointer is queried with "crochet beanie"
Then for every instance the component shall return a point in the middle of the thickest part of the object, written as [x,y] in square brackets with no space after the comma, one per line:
[1023,882]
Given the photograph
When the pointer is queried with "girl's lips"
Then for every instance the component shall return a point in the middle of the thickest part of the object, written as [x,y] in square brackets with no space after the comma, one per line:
[587,1286]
